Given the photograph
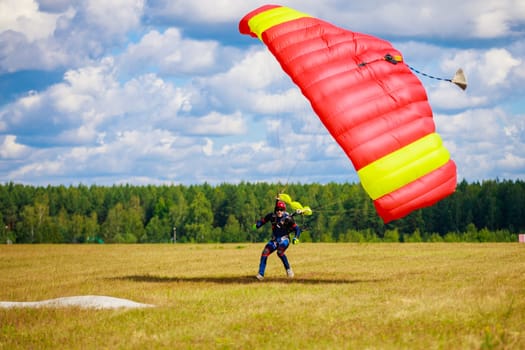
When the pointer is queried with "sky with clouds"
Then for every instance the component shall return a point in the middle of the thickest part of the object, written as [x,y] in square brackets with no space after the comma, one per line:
[166,91]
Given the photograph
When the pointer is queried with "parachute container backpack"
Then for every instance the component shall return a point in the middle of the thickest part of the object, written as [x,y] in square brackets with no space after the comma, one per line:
[369,100]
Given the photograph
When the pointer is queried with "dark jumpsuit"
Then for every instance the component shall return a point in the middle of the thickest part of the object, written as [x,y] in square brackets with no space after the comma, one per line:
[281,228]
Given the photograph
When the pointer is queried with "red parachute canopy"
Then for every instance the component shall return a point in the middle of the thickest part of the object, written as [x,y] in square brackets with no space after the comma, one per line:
[370,102]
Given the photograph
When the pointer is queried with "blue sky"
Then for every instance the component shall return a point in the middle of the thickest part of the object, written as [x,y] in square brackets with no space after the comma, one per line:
[163,91]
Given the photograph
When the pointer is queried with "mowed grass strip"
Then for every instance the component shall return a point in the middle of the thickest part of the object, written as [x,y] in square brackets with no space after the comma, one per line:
[352,296]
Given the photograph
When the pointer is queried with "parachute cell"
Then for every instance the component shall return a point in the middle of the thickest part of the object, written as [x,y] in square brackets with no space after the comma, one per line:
[369,100]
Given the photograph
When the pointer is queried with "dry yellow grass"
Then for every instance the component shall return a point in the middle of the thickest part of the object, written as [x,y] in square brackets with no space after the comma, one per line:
[351,296]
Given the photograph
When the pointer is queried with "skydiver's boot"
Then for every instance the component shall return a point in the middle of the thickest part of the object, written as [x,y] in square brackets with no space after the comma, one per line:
[262,267]
[289,271]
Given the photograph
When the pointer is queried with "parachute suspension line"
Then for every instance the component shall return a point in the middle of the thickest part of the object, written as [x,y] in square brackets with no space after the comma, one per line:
[284,161]
[290,173]
[428,75]
[458,79]
[280,159]
[304,226]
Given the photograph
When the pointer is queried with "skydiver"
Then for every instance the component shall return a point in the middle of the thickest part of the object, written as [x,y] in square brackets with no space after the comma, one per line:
[282,225]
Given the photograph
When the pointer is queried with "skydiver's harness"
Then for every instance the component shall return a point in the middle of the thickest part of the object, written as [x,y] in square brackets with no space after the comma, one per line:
[277,222]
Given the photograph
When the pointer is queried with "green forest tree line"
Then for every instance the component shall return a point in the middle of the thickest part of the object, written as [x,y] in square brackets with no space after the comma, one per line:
[488,211]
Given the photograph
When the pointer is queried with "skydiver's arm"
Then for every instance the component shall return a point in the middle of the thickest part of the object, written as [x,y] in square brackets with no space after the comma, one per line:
[263,220]
[294,227]
[297,230]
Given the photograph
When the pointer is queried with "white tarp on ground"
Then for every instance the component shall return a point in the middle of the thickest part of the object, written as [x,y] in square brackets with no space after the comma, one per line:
[84,301]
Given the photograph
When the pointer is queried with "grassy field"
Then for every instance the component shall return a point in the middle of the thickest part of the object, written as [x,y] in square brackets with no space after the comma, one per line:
[344,296]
